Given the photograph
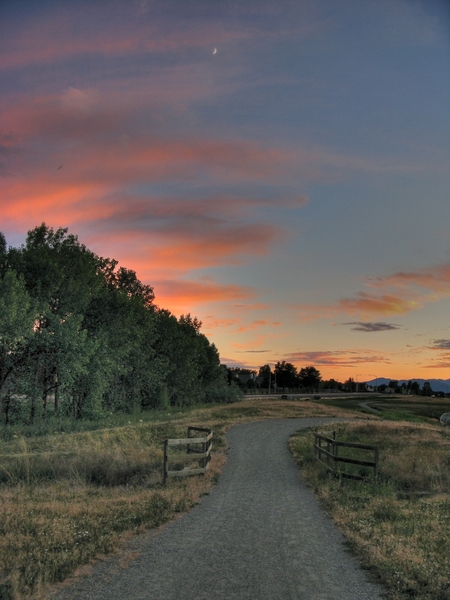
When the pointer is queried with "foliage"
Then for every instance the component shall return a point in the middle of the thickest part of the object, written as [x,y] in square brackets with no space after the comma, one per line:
[309,377]
[81,336]
[286,374]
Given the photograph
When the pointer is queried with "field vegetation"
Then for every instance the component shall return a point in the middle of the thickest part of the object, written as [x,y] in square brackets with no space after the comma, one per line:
[78,491]
[75,490]
[399,524]
[398,407]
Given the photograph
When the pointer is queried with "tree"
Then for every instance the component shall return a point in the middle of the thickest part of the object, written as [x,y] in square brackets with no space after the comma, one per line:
[427,390]
[393,384]
[331,384]
[265,376]
[415,388]
[17,318]
[63,277]
[310,378]
[82,330]
[285,374]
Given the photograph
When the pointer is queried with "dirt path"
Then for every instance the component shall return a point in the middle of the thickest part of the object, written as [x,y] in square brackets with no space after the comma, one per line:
[259,535]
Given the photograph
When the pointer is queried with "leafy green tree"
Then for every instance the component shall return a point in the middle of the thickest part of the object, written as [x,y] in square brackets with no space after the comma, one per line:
[81,331]
[62,277]
[17,318]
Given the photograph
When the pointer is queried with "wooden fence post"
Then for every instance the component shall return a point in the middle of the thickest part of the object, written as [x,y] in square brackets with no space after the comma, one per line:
[204,454]
[166,459]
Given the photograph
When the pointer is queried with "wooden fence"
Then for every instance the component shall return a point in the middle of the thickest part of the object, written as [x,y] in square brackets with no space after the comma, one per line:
[327,451]
[201,454]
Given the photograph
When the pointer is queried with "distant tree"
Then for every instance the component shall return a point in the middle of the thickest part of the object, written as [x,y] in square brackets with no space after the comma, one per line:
[309,377]
[350,385]
[415,388]
[331,384]
[393,384]
[427,390]
[241,376]
[265,376]
[286,374]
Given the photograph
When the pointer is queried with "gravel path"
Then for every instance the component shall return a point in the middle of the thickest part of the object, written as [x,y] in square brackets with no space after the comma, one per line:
[259,535]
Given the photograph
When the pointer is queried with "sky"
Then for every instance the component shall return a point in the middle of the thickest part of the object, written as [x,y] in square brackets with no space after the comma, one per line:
[279,169]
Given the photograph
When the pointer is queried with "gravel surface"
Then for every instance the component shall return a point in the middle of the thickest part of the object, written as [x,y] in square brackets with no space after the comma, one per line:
[259,535]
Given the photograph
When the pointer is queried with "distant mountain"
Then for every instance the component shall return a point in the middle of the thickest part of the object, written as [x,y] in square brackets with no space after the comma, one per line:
[437,385]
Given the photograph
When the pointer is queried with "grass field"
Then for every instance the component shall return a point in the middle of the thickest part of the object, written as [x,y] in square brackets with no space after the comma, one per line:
[68,497]
[400,407]
[399,525]
[72,493]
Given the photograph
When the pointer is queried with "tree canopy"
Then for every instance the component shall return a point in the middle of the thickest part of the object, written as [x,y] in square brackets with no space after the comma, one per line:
[81,335]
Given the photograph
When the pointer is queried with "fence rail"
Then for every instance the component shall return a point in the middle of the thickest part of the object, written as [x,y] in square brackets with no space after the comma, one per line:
[329,455]
[202,454]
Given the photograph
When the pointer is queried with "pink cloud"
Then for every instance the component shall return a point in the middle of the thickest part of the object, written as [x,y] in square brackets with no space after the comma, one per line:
[403,292]
[71,33]
[385,304]
[69,164]
[436,279]
[257,324]
[210,323]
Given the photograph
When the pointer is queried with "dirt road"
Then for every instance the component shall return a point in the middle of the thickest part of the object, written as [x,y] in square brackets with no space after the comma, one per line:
[259,535]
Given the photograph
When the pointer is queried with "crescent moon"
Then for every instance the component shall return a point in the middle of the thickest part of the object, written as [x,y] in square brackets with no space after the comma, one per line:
[215,51]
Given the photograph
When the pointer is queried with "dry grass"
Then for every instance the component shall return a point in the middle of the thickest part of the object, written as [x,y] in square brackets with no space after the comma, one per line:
[68,498]
[400,525]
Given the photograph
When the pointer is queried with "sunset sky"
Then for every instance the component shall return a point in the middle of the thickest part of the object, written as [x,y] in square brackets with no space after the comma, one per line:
[279,169]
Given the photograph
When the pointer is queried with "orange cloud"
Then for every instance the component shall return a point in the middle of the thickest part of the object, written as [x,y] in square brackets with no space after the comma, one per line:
[69,163]
[436,279]
[256,324]
[182,293]
[210,322]
[256,343]
[404,292]
[385,305]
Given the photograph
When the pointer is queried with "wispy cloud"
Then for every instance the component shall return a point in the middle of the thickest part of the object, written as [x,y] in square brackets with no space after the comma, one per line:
[435,279]
[441,345]
[50,38]
[372,327]
[338,358]
[396,294]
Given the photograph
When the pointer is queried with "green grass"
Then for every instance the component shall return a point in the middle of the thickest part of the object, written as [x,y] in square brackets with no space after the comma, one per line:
[417,409]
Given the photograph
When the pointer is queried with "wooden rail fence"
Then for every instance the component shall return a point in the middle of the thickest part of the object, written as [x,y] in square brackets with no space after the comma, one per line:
[327,451]
[203,453]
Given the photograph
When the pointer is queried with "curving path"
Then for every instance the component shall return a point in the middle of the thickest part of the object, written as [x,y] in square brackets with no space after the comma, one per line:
[259,535]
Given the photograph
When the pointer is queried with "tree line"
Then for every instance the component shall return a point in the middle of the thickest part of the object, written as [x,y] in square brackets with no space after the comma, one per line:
[284,375]
[80,335]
